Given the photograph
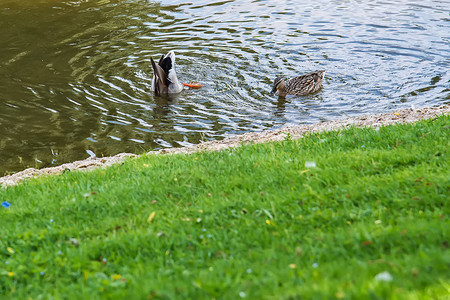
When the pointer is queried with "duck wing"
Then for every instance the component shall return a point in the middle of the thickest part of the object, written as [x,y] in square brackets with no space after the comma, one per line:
[161,59]
[166,64]
[160,80]
[305,84]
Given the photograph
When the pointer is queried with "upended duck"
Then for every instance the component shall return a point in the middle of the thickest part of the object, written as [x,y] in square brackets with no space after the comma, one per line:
[300,85]
[165,80]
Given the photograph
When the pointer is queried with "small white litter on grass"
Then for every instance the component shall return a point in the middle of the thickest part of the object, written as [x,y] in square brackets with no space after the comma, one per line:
[384,276]
[310,164]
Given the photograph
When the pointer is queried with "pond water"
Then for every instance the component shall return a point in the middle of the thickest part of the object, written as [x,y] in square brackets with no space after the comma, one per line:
[75,76]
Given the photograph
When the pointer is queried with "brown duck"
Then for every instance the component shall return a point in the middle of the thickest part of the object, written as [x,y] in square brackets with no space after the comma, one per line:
[300,85]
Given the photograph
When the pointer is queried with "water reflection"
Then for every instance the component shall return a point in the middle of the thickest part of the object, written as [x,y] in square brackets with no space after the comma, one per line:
[75,75]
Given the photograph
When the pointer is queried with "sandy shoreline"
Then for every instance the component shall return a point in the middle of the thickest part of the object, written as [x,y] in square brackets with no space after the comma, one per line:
[294,131]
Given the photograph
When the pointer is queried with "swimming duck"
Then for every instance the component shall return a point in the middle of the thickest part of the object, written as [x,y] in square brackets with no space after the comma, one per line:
[300,85]
[165,79]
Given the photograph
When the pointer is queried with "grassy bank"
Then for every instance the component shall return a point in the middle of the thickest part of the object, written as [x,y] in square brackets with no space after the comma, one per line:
[360,213]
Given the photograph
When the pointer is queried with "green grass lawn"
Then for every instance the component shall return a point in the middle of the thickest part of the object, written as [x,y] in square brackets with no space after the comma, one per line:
[368,221]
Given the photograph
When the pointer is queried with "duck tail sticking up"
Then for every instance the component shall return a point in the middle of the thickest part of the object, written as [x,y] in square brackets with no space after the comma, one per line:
[165,80]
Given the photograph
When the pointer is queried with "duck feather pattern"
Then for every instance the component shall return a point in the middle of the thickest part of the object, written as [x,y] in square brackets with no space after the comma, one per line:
[300,85]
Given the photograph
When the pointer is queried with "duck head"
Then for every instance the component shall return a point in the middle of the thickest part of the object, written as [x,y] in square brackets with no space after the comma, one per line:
[279,85]
[319,75]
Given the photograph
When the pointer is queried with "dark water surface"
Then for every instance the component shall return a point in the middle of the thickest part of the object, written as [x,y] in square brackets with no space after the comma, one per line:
[75,75]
